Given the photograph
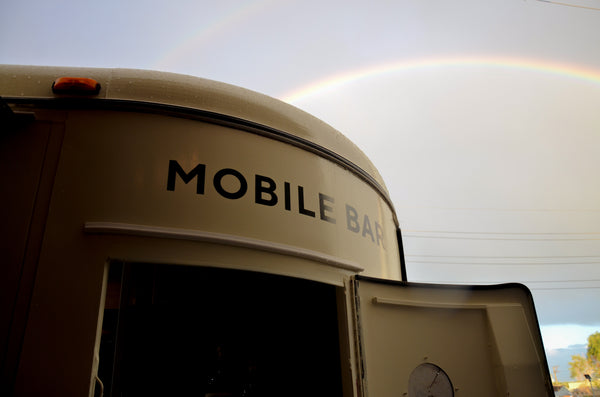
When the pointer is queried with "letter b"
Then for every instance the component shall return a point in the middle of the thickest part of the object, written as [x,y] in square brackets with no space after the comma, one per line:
[352,219]
[268,190]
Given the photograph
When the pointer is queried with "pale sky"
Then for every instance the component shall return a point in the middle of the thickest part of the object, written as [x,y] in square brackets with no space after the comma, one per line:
[482,116]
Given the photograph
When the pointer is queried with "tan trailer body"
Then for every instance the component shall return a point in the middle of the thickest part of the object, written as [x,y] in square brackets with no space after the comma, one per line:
[175,179]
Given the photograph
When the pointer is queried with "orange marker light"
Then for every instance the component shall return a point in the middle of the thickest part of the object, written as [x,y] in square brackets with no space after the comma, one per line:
[76,85]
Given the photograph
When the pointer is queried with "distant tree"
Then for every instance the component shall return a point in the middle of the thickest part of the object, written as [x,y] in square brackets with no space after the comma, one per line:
[590,364]
[579,366]
[593,349]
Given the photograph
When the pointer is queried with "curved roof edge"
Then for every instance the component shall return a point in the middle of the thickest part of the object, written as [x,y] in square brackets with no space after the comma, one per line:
[189,92]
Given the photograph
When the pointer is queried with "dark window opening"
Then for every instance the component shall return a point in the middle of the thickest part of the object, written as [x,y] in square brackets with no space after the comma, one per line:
[182,330]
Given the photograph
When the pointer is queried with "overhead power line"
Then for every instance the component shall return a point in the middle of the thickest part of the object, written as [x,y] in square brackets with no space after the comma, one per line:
[512,236]
[505,263]
[506,233]
[561,288]
[506,257]
[569,5]
[429,208]
[483,260]
[519,281]
[561,281]
[500,238]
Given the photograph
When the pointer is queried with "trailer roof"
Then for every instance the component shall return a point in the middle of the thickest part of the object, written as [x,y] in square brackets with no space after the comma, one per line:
[187,92]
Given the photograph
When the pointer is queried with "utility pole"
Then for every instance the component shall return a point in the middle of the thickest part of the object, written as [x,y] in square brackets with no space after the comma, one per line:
[555,370]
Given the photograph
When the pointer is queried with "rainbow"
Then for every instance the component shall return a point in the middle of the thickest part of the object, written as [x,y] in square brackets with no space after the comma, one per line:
[203,34]
[338,80]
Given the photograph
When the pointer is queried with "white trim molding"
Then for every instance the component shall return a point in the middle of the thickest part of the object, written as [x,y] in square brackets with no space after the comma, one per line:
[218,238]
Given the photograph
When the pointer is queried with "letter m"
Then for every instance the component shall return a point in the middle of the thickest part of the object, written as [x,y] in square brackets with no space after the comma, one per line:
[175,169]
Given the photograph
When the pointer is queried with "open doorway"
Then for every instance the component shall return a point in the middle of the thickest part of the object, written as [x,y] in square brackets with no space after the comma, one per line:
[199,331]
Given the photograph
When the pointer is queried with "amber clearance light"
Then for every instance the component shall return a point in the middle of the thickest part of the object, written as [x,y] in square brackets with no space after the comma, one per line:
[76,86]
